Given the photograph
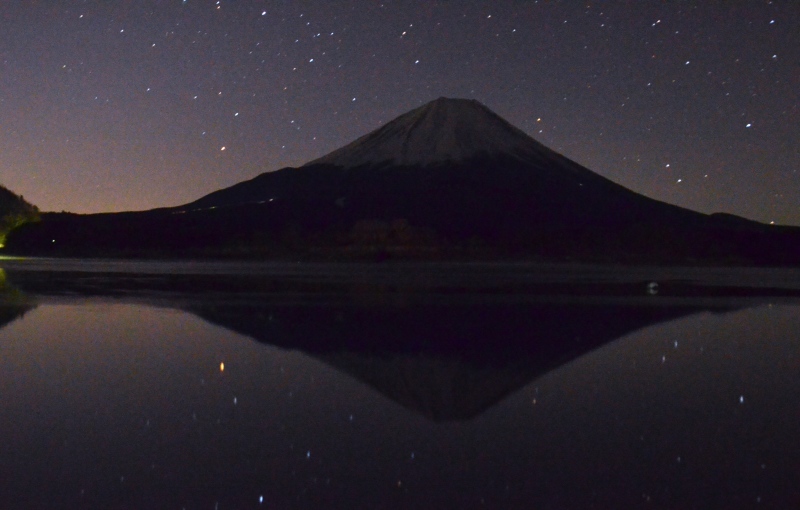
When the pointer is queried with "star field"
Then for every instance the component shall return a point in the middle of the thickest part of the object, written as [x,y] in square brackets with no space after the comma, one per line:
[110,106]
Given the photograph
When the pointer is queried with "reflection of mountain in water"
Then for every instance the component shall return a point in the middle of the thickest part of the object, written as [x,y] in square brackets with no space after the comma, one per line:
[445,361]
[439,388]
[11,312]
[13,303]
[448,342]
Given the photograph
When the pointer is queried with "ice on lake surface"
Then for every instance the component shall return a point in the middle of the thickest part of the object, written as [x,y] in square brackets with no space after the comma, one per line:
[249,385]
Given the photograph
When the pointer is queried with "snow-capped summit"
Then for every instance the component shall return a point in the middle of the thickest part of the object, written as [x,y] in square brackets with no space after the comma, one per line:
[441,130]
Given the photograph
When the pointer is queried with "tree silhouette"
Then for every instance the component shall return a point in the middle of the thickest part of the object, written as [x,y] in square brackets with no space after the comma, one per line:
[14,211]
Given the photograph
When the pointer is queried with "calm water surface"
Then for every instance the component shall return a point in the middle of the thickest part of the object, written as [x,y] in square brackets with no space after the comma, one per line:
[147,385]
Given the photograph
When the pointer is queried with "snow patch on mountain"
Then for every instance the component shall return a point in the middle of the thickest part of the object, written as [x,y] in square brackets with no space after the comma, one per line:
[442,130]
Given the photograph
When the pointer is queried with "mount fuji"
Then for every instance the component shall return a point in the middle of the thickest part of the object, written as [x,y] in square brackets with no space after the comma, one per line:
[450,179]
[429,143]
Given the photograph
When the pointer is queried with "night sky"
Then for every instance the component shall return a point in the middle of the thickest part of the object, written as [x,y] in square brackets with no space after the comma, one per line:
[129,104]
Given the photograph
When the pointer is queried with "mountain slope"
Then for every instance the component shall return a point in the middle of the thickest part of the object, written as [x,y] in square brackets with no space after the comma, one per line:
[450,179]
[458,173]
[454,167]
[442,133]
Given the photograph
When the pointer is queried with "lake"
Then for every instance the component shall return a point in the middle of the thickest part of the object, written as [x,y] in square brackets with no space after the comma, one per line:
[222,385]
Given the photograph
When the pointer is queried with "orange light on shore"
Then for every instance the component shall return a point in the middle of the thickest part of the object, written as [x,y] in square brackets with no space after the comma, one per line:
[222,367]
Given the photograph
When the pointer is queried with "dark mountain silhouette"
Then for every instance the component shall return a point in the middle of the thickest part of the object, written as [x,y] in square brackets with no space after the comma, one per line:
[450,179]
[14,212]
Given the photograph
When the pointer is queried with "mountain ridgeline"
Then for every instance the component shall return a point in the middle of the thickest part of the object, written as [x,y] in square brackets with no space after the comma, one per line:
[448,180]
